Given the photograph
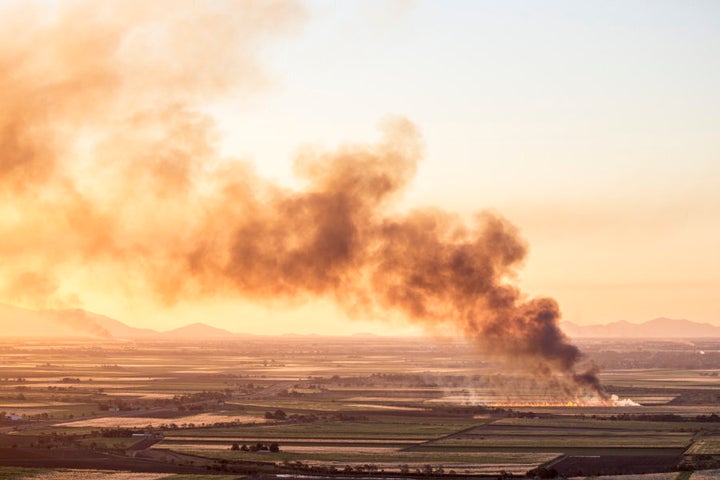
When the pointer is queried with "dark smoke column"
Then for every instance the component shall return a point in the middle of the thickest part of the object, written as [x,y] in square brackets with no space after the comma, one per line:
[435,269]
[337,238]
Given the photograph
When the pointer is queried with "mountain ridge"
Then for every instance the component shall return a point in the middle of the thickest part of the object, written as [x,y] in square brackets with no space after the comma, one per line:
[197,330]
[20,322]
[661,327]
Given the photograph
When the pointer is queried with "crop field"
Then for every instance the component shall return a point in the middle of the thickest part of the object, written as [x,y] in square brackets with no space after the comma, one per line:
[700,475]
[7,473]
[646,476]
[127,422]
[601,424]
[705,475]
[98,474]
[11,473]
[371,426]
[705,446]
[331,405]
[395,462]
[562,442]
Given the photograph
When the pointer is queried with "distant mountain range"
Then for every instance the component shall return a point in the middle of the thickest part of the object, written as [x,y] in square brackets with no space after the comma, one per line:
[197,330]
[18,322]
[23,323]
[657,328]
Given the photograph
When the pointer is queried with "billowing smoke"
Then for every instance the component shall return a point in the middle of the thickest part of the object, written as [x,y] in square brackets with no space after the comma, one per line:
[106,160]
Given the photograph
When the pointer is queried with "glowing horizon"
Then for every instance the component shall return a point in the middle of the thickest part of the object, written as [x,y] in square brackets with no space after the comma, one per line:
[592,128]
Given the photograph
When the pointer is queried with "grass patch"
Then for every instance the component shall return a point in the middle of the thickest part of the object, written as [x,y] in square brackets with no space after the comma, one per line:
[486,458]
[705,446]
[109,443]
[596,423]
[382,427]
[14,473]
[182,476]
[563,442]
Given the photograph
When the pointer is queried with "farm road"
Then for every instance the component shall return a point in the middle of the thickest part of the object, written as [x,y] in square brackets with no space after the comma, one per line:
[457,434]
[146,443]
[270,391]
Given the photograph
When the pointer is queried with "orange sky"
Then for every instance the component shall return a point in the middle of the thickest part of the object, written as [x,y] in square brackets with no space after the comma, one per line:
[592,128]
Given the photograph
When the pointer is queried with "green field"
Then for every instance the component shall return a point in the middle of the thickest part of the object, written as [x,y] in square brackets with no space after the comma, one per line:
[377,427]
[391,457]
[705,446]
[15,473]
[607,424]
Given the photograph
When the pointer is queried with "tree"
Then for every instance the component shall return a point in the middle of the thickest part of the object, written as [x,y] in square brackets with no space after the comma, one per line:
[235,446]
[274,447]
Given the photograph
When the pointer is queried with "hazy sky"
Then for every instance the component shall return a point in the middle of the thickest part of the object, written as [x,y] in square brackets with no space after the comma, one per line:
[592,126]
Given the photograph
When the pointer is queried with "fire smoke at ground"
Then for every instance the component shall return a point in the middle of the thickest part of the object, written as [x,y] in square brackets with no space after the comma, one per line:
[109,165]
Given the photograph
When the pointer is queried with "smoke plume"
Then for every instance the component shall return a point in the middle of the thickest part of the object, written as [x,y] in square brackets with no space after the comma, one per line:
[107,161]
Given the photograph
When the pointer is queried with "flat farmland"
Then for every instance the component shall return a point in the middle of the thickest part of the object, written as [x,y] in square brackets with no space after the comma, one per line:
[705,446]
[412,427]
[388,460]
[10,473]
[563,442]
[183,421]
[329,405]
[602,424]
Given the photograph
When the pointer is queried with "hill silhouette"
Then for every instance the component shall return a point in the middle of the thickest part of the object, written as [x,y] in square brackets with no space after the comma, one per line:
[657,328]
[77,323]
